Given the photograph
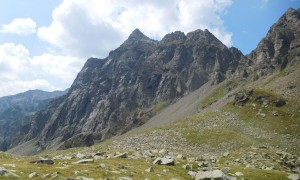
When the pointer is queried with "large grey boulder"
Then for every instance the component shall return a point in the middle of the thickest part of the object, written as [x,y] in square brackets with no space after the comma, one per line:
[205,175]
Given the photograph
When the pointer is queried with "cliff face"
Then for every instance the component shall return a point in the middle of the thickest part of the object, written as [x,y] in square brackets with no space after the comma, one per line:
[15,111]
[281,46]
[112,95]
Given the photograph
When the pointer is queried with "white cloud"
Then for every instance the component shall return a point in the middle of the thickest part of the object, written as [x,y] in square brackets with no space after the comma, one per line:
[263,3]
[19,71]
[93,28]
[20,26]
[85,28]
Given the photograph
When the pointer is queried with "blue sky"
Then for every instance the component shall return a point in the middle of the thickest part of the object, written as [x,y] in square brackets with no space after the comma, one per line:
[250,20]
[44,44]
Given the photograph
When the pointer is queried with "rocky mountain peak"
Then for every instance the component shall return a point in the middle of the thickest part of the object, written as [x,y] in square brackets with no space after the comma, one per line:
[281,46]
[174,37]
[137,34]
[137,37]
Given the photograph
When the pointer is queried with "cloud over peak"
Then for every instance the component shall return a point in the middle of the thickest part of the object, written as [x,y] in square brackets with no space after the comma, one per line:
[93,27]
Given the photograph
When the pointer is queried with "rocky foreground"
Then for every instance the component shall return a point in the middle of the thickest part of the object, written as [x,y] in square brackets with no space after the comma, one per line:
[89,164]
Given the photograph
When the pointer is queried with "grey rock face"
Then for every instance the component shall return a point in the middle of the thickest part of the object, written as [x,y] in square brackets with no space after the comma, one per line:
[112,95]
[281,46]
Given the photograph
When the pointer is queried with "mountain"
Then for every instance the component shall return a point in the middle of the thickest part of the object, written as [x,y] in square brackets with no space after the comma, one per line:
[203,111]
[16,109]
[280,47]
[113,95]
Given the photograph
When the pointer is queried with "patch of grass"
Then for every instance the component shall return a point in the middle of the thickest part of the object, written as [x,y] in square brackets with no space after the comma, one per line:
[214,96]
[66,169]
[159,107]
[259,174]
[281,73]
[287,121]
[216,137]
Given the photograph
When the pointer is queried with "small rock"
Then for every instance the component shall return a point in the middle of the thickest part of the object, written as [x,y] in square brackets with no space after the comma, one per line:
[102,165]
[279,103]
[82,161]
[121,166]
[240,99]
[121,155]
[54,175]
[225,170]
[275,113]
[163,151]
[294,176]
[137,154]
[165,170]
[115,172]
[6,173]
[83,178]
[180,156]
[157,161]
[238,174]
[226,154]
[150,169]
[43,161]
[10,165]
[99,153]
[148,154]
[192,173]
[44,176]
[164,161]
[32,175]
[124,178]
[215,174]
[80,155]
[187,167]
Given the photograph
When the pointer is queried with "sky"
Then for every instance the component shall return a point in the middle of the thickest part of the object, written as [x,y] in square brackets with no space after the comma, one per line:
[44,44]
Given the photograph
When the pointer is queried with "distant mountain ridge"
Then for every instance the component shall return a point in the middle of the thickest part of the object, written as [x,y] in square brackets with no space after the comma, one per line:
[110,96]
[15,110]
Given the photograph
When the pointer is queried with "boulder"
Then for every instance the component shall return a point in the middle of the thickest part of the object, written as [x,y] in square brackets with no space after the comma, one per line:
[294,176]
[32,175]
[43,161]
[83,161]
[187,167]
[205,175]
[150,169]
[238,174]
[279,103]
[83,178]
[192,173]
[164,161]
[240,99]
[4,172]
[121,155]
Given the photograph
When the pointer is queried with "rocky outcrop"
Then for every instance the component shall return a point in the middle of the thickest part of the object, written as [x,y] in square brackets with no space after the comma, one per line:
[280,47]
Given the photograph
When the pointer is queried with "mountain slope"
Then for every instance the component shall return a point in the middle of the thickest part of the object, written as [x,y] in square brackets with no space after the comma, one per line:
[245,127]
[16,109]
[112,95]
